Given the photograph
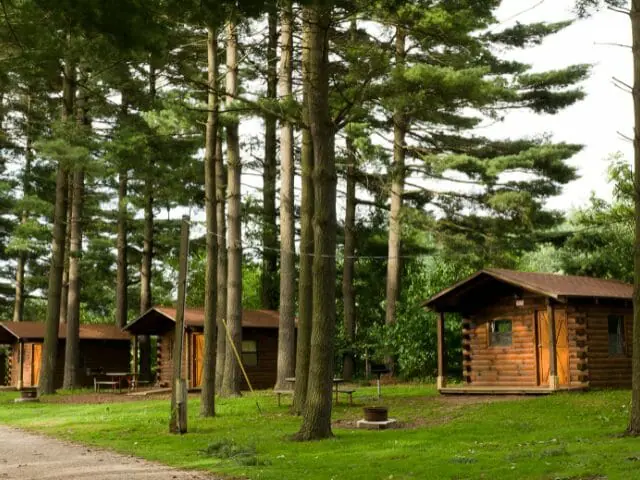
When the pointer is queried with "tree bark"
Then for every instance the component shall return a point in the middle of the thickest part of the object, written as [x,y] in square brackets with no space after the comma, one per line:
[64,292]
[121,244]
[269,287]
[146,301]
[221,307]
[305,281]
[46,382]
[634,422]
[207,402]
[122,280]
[397,188]
[18,307]
[232,378]
[348,293]
[72,343]
[178,418]
[286,330]
[316,420]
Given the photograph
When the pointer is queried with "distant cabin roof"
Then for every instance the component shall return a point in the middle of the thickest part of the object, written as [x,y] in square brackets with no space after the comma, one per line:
[12,331]
[549,285]
[158,320]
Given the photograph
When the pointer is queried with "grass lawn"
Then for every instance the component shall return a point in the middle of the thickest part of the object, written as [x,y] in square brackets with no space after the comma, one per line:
[564,436]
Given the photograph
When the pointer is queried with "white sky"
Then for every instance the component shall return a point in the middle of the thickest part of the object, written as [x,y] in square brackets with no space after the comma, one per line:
[607,110]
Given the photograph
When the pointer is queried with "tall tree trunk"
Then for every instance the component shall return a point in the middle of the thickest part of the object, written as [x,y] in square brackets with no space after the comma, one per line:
[316,420]
[221,230]
[286,330]
[64,292]
[18,307]
[46,382]
[397,188]
[269,288]
[305,285]
[232,378]
[207,402]
[634,423]
[146,301]
[121,244]
[72,343]
[348,293]
[122,280]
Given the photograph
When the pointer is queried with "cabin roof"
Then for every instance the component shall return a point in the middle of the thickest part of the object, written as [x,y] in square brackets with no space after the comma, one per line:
[559,287]
[12,331]
[158,320]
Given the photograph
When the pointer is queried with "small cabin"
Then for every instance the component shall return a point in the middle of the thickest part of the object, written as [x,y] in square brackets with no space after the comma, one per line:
[259,344]
[102,348]
[528,332]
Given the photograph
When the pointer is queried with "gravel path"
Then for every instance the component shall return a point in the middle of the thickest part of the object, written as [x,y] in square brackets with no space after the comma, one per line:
[28,456]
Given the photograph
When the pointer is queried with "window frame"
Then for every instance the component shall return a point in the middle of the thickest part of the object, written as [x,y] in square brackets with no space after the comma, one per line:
[621,343]
[491,333]
[244,354]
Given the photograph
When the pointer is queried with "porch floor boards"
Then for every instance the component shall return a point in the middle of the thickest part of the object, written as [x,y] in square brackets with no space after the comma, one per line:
[506,390]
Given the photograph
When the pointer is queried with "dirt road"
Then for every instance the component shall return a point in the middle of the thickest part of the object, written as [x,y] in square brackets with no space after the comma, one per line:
[28,456]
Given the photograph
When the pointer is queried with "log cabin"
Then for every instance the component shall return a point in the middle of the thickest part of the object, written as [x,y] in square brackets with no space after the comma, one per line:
[537,333]
[102,348]
[259,344]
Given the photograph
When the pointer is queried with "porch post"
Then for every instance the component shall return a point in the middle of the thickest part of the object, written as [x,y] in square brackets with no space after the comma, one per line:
[553,359]
[188,355]
[441,381]
[21,365]
[135,355]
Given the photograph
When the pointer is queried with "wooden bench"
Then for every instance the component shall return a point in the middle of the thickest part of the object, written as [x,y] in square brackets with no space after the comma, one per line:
[346,391]
[279,393]
[97,383]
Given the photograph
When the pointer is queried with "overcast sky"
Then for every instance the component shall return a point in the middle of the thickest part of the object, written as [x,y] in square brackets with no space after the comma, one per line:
[607,110]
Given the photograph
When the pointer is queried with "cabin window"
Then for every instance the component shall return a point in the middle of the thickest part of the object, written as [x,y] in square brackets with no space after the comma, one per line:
[250,353]
[616,334]
[500,335]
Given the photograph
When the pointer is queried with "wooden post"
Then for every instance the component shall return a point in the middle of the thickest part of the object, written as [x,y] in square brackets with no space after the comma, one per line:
[442,354]
[178,421]
[553,358]
[135,357]
[21,365]
[187,355]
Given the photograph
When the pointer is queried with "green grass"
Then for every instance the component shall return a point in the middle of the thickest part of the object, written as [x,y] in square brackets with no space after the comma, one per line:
[564,436]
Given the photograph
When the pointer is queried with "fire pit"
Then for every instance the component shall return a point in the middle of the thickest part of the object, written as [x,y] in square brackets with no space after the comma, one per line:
[376,418]
[28,394]
[376,414]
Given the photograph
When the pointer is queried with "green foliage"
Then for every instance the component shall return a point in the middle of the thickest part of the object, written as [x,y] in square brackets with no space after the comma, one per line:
[601,240]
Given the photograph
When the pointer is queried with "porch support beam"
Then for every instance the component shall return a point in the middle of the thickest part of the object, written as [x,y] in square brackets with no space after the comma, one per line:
[441,381]
[135,356]
[20,365]
[553,358]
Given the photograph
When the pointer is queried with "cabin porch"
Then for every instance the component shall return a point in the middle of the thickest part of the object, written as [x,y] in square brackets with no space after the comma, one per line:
[507,390]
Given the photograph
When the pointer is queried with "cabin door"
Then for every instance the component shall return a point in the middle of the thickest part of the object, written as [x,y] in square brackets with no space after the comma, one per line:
[562,347]
[36,359]
[198,356]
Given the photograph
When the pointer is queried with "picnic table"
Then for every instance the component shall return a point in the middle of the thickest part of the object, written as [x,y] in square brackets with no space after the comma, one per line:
[115,380]
[336,383]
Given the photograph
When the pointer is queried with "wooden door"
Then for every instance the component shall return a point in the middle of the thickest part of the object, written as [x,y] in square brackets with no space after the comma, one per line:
[198,354]
[542,321]
[562,347]
[36,359]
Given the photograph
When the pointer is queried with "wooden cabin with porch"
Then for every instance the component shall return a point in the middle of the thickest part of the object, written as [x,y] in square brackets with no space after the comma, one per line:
[259,344]
[536,333]
[102,348]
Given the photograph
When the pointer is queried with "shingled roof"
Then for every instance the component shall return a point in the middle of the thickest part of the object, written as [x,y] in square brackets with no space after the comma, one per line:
[36,331]
[157,320]
[550,285]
